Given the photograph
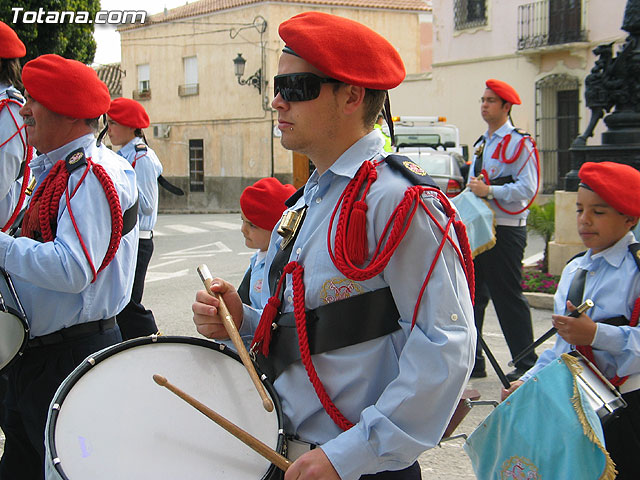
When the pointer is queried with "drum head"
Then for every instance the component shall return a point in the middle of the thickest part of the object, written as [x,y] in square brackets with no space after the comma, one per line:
[13,335]
[114,421]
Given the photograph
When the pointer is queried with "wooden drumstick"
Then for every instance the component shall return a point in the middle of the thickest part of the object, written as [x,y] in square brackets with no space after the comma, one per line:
[232,330]
[245,437]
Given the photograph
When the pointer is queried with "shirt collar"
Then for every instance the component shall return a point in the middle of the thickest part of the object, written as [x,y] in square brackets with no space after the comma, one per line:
[615,254]
[47,160]
[130,147]
[502,131]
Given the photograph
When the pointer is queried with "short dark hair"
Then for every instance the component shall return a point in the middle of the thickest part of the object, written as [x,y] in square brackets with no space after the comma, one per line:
[373,103]
[138,133]
[10,72]
[94,123]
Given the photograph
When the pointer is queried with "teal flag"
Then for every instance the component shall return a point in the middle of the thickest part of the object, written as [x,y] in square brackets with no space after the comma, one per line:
[478,220]
[543,430]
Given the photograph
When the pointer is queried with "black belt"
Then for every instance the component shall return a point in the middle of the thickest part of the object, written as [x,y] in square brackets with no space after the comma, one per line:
[75,331]
[335,325]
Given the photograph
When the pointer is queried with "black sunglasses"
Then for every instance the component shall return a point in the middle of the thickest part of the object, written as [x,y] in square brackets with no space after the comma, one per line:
[299,87]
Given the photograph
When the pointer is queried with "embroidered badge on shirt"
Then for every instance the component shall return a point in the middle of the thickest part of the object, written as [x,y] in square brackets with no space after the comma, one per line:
[258,286]
[338,289]
[414,168]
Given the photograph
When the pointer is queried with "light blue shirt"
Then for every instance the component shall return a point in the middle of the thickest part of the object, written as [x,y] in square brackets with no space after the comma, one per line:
[511,196]
[53,279]
[12,154]
[148,168]
[613,283]
[400,389]
[256,266]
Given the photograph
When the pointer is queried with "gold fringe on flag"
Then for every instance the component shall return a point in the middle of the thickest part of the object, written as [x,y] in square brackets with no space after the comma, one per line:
[575,368]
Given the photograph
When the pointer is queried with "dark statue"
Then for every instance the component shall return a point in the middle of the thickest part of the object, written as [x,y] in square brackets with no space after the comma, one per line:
[613,83]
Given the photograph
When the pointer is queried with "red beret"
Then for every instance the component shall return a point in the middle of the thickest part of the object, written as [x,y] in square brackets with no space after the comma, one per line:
[344,49]
[616,183]
[263,202]
[65,86]
[504,91]
[10,45]
[128,112]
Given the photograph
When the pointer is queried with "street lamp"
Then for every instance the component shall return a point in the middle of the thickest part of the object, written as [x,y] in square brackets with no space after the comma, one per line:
[255,79]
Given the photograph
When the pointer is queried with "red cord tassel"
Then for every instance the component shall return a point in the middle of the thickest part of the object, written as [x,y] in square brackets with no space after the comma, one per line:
[357,245]
[262,336]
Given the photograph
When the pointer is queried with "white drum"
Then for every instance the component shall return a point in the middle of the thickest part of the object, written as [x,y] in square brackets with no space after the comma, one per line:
[110,420]
[14,329]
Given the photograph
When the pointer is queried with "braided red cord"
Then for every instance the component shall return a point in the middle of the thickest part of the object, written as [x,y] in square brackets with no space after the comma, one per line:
[297,272]
[43,210]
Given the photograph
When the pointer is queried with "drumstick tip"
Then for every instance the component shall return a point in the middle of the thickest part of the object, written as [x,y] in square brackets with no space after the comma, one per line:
[267,404]
[160,380]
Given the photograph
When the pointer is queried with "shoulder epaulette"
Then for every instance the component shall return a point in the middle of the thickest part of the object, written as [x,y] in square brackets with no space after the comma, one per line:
[12,94]
[141,147]
[634,248]
[581,254]
[522,132]
[480,139]
[75,160]
[410,170]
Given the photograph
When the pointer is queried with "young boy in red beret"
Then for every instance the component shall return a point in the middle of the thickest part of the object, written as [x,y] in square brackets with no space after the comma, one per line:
[358,305]
[125,120]
[608,273]
[262,205]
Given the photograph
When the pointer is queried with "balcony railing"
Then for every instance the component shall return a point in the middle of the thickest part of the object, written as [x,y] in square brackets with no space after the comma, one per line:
[188,89]
[550,22]
[141,94]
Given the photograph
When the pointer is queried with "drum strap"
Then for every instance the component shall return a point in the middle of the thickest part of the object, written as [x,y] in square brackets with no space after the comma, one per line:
[335,325]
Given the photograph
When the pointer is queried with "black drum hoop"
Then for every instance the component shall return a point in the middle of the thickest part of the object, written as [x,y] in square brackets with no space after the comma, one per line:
[93,360]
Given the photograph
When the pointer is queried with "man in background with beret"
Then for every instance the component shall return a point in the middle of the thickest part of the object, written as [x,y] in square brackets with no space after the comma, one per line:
[14,151]
[505,171]
[393,345]
[126,118]
[71,268]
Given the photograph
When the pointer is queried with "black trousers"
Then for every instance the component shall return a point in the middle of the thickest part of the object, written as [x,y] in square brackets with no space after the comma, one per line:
[32,382]
[622,438]
[498,275]
[409,473]
[135,320]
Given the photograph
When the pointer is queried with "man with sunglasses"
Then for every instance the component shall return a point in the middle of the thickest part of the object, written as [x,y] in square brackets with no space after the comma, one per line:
[369,379]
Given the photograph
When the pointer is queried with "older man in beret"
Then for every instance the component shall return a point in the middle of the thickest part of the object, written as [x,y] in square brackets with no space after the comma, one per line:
[371,378]
[72,266]
[505,171]
[14,151]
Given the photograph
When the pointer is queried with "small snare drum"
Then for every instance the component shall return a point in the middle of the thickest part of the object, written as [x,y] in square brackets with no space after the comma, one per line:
[110,420]
[601,395]
[14,329]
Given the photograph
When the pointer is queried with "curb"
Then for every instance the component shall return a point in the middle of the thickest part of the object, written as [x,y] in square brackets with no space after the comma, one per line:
[539,300]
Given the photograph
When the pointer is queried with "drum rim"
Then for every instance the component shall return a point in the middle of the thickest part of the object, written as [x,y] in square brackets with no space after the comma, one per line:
[20,315]
[94,359]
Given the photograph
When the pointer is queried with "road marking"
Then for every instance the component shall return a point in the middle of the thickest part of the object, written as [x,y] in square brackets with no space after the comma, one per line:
[170,262]
[207,250]
[186,228]
[225,225]
[157,276]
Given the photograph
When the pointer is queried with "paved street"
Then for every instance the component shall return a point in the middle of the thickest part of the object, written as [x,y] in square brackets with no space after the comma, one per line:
[182,242]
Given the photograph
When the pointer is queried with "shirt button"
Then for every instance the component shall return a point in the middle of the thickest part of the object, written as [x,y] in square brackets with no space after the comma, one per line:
[299,251]
[318,200]
[454,317]
[290,299]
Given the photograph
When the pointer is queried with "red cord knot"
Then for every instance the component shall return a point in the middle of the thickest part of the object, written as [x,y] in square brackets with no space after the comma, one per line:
[262,337]
[357,244]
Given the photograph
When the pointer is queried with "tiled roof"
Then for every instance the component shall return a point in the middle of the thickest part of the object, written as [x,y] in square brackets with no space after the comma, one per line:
[112,76]
[209,6]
